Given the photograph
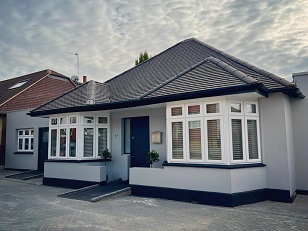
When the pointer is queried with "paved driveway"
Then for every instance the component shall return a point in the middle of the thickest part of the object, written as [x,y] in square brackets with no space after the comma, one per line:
[30,206]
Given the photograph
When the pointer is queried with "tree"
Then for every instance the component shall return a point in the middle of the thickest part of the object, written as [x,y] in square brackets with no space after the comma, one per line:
[142,57]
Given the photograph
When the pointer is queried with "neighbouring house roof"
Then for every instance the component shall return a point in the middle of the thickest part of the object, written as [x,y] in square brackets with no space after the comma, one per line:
[31,90]
[189,69]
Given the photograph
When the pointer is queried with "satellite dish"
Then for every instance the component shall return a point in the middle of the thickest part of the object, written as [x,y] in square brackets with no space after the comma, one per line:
[75,78]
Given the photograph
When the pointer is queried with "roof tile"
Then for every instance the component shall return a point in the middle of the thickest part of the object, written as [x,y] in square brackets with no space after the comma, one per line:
[187,66]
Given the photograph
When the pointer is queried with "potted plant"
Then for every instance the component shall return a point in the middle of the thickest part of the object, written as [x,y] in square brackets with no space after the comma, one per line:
[153,157]
[106,154]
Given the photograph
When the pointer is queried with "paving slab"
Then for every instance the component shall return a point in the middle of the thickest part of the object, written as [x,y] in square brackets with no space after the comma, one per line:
[25,206]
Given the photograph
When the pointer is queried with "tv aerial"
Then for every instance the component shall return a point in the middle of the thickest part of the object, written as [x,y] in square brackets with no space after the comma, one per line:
[77,57]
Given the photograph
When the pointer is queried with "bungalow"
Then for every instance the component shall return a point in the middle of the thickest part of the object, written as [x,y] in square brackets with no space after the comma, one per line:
[223,129]
[22,138]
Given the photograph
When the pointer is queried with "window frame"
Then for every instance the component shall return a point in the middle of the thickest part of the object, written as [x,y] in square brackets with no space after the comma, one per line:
[82,143]
[170,111]
[96,137]
[223,158]
[243,139]
[53,125]
[206,114]
[236,113]
[95,125]
[100,124]
[57,142]
[88,124]
[257,108]
[23,137]
[193,115]
[258,139]
[63,117]
[186,140]
[69,120]
[68,142]
[225,117]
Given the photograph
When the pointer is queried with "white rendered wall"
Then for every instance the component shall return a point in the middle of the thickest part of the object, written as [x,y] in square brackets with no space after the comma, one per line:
[85,171]
[277,142]
[300,131]
[121,161]
[20,120]
[201,179]
[248,179]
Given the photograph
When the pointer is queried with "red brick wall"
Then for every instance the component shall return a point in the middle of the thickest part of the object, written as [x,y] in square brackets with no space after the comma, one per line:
[40,93]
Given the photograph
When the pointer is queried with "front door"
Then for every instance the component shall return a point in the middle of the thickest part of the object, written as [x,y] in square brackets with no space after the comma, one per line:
[42,148]
[140,141]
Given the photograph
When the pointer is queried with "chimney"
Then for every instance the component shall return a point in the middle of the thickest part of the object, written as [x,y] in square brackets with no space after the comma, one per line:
[84,79]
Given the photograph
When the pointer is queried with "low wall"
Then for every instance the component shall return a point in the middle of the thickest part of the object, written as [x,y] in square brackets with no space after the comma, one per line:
[74,175]
[201,179]
[214,186]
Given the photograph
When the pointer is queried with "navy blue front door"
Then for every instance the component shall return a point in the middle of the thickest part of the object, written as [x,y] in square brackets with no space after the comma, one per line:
[43,148]
[140,141]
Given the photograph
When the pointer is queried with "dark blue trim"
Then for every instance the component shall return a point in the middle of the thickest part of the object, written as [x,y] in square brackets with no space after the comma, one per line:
[212,198]
[23,152]
[18,169]
[280,195]
[67,183]
[221,166]
[302,192]
[77,161]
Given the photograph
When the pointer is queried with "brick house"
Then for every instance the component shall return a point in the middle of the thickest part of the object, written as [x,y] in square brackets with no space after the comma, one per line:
[19,137]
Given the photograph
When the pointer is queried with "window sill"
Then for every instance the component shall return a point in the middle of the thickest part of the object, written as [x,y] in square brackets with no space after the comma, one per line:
[23,152]
[221,166]
[76,161]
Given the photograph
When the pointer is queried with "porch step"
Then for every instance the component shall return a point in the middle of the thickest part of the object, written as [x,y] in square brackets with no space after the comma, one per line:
[96,192]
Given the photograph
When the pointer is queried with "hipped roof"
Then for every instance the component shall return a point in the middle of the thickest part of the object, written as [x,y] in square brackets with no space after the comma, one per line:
[188,69]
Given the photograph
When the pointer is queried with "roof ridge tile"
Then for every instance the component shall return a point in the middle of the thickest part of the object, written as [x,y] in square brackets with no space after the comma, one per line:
[250,66]
[232,70]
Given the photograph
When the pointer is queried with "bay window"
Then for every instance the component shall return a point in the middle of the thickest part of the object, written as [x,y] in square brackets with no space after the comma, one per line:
[78,136]
[222,132]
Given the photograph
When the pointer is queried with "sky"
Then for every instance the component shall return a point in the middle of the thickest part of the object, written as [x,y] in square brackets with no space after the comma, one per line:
[108,35]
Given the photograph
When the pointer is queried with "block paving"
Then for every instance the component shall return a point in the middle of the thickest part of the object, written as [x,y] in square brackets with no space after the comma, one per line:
[31,206]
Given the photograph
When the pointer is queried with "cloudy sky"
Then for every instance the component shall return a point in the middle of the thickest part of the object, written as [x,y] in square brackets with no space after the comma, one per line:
[109,34]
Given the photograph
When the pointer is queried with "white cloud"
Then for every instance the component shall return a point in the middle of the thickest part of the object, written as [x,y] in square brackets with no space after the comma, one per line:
[108,35]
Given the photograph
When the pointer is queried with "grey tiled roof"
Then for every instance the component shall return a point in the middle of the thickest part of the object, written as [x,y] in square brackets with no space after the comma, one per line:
[217,74]
[77,97]
[185,67]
